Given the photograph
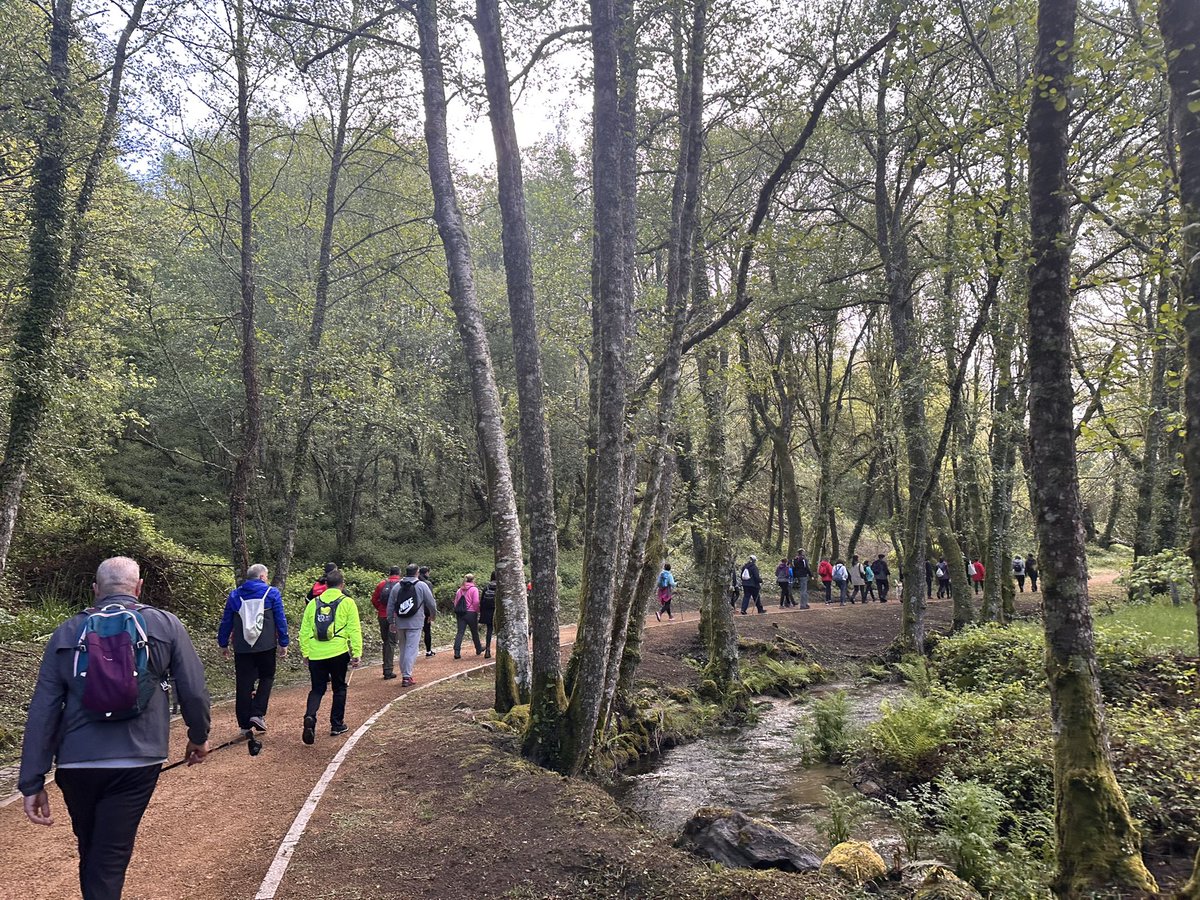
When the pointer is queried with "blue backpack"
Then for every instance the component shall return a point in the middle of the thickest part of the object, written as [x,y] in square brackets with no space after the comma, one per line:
[112,667]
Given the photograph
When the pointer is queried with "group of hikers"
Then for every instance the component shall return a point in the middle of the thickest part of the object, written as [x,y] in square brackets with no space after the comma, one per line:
[861,581]
[104,724]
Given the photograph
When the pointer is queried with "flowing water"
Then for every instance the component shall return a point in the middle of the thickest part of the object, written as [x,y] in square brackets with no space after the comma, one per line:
[759,770]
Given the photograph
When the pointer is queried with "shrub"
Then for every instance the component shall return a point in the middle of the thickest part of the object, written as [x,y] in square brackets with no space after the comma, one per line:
[845,812]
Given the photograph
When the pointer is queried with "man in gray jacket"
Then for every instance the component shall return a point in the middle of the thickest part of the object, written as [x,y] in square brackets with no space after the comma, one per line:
[107,769]
[409,602]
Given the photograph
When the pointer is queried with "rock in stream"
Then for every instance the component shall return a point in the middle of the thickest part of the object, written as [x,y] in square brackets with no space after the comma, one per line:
[734,839]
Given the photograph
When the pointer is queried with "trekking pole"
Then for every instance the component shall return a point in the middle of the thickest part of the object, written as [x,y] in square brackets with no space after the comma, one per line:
[241,736]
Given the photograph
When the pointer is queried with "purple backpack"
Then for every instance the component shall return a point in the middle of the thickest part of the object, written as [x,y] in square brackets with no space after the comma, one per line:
[112,663]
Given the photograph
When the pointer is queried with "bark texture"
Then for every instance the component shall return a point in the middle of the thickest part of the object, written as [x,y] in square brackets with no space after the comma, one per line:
[1180,28]
[513,670]
[538,465]
[1098,843]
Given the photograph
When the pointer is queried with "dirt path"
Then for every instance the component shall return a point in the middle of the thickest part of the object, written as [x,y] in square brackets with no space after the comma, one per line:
[212,831]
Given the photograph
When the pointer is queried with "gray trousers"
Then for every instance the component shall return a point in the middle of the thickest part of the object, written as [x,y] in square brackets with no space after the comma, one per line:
[410,642]
[802,590]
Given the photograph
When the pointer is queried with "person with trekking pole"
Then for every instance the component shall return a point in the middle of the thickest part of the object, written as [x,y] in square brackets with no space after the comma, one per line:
[101,711]
[331,642]
[255,620]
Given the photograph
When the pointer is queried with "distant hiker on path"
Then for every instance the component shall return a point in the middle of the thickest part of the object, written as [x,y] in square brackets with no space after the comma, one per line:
[1019,571]
[379,600]
[857,581]
[666,590]
[928,579]
[408,606]
[783,578]
[977,573]
[319,585]
[735,585]
[331,642]
[108,732]
[801,573]
[825,573]
[424,575]
[943,578]
[751,585]
[1031,569]
[883,576]
[487,615]
[466,610]
[840,577]
[255,619]
[868,580]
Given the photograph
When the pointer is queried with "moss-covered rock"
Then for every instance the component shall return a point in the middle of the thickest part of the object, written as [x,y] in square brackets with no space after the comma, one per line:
[855,862]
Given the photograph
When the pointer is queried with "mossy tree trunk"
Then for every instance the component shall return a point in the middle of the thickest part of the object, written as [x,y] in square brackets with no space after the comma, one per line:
[1180,28]
[1098,843]
[57,241]
[513,670]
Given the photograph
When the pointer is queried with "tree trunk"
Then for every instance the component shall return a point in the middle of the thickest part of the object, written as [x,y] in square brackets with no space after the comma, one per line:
[1150,478]
[997,571]
[316,328]
[910,365]
[1098,843]
[1181,34]
[513,672]
[960,585]
[538,465]
[589,662]
[246,463]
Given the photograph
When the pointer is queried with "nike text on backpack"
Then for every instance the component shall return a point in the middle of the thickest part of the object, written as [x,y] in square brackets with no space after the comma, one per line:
[323,619]
[112,664]
[406,599]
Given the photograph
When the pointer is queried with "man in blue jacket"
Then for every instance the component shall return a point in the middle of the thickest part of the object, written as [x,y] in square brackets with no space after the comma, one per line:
[107,769]
[255,619]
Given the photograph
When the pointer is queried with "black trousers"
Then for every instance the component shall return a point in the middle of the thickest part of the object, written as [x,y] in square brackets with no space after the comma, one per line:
[388,639]
[255,675]
[323,671]
[106,807]
[828,591]
[785,593]
[428,634]
[465,621]
[487,641]
[750,594]
[884,586]
[1033,577]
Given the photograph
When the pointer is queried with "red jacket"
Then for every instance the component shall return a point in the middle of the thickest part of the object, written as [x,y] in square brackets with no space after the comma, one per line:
[379,598]
[825,570]
[979,571]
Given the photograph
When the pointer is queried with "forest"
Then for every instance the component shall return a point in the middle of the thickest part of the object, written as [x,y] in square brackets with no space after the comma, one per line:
[564,291]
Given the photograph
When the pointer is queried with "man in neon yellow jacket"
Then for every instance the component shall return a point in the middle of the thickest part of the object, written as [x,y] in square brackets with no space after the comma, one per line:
[331,642]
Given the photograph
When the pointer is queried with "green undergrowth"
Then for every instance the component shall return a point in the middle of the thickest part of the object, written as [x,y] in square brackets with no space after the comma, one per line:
[778,668]
[978,721]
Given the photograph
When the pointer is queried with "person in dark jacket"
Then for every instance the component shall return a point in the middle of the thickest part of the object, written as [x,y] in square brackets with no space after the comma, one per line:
[883,576]
[1031,570]
[107,770]
[379,600]
[424,575]
[751,585]
[928,579]
[783,578]
[319,585]
[255,619]
[801,573]
[487,613]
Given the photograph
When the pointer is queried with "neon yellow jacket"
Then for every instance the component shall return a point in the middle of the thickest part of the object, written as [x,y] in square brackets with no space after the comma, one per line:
[347,630]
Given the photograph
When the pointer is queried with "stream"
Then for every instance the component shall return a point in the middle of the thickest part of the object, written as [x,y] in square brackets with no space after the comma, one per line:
[759,770]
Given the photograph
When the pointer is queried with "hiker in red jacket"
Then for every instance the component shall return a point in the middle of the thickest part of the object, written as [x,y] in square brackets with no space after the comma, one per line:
[825,573]
[977,573]
[379,600]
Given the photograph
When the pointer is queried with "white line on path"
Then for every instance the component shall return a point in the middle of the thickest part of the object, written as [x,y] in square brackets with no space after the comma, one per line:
[274,877]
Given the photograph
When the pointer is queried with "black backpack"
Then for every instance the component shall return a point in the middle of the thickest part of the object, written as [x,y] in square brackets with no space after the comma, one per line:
[488,596]
[406,599]
[323,618]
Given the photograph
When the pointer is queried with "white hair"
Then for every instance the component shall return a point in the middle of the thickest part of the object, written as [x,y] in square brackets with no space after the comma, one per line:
[117,575]
[256,572]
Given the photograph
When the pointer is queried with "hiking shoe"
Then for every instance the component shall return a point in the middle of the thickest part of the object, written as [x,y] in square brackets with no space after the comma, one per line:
[407,682]
[309,735]
[487,654]
[335,730]
[429,653]
[258,723]
[388,676]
